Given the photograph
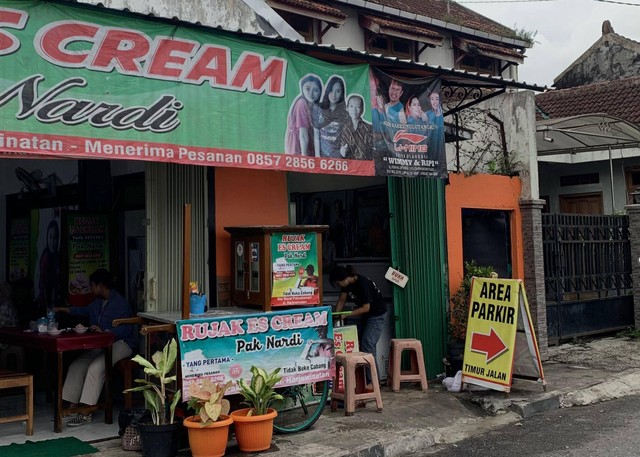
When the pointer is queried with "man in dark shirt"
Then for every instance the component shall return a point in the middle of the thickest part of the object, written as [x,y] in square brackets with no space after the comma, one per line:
[370,306]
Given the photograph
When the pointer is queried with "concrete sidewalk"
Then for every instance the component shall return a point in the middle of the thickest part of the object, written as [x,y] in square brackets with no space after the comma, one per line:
[576,374]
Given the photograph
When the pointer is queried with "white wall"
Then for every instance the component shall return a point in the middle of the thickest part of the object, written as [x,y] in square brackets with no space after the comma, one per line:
[516,110]
[550,174]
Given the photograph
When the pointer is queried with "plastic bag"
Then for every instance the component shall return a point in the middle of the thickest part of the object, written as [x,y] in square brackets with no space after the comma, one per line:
[453,384]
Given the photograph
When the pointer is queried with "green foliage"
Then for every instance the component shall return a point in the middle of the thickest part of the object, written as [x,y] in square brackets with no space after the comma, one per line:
[259,394]
[155,393]
[207,400]
[459,306]
[630,333]
[528,36]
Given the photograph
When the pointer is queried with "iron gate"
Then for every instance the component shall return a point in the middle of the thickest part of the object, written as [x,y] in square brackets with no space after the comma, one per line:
[587,273]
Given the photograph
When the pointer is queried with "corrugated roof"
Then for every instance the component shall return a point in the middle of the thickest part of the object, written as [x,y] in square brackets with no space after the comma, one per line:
[620,98]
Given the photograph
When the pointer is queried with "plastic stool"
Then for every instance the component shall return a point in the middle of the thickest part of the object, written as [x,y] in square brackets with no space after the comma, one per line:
[417,372]
[354,365]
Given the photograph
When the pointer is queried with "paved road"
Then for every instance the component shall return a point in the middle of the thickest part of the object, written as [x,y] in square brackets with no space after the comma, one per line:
[610,429]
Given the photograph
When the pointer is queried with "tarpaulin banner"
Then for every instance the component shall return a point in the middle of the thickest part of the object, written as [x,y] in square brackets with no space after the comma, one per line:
[408,126]
[81,82]
[222,349]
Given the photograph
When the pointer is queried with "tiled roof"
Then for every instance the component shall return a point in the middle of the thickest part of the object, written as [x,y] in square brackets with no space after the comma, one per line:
[490,48]
[451,12]
[318,7]
[403,26]
[619,98]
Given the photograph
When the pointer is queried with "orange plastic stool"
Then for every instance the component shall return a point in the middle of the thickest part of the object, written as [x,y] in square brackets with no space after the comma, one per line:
[417,373]
[354,365]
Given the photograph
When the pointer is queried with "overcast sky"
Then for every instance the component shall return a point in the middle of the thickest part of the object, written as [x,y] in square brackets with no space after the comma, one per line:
[566,28]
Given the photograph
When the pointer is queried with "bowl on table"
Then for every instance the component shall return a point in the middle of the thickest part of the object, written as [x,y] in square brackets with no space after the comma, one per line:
[54,332]
[80,329]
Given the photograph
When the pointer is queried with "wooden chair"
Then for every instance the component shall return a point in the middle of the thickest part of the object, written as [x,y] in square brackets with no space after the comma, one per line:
[127,366]
[9,380]
[12,358]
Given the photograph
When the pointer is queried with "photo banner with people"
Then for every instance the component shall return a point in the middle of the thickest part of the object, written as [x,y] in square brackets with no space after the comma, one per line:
[93,83]
[408,126]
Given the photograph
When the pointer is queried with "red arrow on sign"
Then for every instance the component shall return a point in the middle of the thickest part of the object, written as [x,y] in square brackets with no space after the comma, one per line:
[491,345]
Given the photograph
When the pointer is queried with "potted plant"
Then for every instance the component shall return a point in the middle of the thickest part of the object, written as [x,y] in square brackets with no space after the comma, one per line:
[254,425]
[459,316]
[209,428]
[161,438]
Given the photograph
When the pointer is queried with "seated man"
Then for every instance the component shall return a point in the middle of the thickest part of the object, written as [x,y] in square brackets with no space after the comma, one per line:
[85,378]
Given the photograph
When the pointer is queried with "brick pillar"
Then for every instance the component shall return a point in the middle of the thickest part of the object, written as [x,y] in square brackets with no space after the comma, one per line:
[531,211]
[634,237]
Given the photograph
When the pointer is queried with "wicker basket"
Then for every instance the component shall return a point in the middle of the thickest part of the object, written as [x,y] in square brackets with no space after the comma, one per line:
[131,439]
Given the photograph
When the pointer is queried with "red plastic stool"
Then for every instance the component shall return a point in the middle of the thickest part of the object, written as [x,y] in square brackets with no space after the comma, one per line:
[417,373]
[354,365]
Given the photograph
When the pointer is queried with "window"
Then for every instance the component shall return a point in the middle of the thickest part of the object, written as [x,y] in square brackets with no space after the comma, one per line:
[305,26]
[478,64]
[389,45]
[577,180]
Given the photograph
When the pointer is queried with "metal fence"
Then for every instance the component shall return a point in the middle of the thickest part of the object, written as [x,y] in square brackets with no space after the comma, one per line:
[587,266]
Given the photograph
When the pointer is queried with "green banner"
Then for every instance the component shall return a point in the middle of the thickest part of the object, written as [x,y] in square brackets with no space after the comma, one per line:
[98,83]
[88,250]
[18,249]
[87,82]
[295,269]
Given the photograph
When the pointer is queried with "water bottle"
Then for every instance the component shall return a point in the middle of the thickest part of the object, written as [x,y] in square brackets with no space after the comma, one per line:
[51,320]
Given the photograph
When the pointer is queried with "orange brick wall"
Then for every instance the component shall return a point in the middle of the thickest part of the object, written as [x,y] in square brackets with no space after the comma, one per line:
[481,192]
[246,197]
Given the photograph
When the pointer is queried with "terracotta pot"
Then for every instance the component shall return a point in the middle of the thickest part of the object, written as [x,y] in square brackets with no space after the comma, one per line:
[253,432]
[210,440]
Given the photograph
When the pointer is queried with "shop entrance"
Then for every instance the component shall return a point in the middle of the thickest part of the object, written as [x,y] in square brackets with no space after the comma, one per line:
[486,239]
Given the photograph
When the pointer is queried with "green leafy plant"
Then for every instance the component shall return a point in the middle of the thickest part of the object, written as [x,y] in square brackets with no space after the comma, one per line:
[207,400]
[459,302]
[155,393]
[259,394]
[630,333]
[528,36]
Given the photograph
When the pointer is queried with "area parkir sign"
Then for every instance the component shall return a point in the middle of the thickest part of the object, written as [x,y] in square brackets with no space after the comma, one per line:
[501,342]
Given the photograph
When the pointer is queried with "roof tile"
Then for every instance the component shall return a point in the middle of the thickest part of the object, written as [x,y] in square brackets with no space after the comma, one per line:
[451,12]
[615,98]
[403,26]
[316,6]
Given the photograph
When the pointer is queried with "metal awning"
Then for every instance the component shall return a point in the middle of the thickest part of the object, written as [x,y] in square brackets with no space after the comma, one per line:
[588,132]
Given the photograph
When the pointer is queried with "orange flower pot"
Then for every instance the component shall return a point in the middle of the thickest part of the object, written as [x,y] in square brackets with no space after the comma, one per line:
[210,440]
[253,432]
